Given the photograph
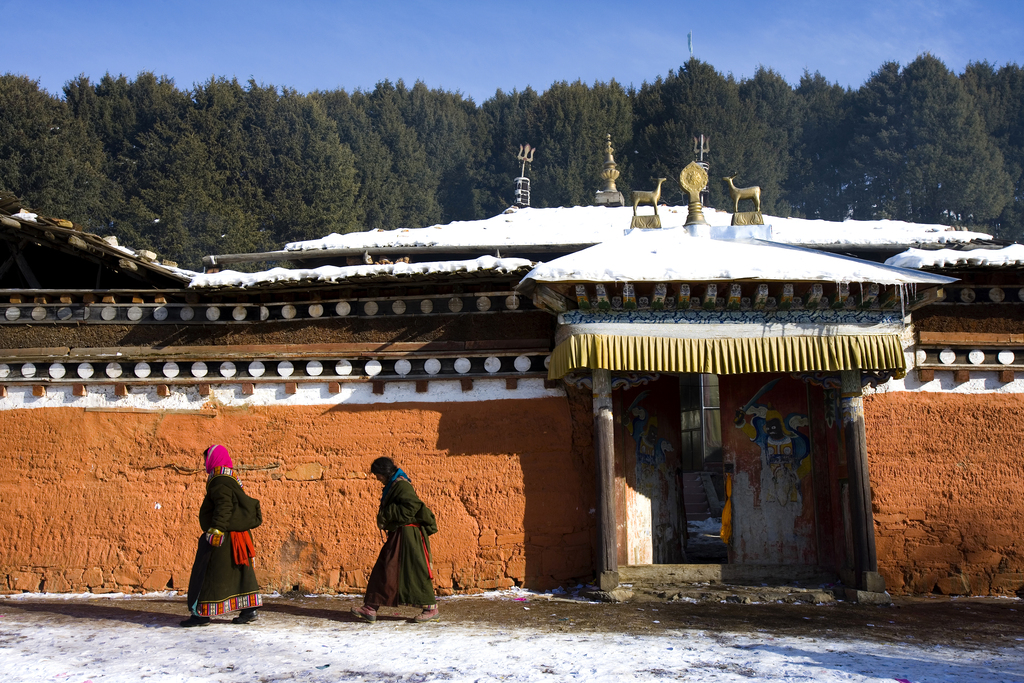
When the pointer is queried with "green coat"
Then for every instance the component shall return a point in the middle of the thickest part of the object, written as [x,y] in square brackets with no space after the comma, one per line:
[225,586]
[399,509]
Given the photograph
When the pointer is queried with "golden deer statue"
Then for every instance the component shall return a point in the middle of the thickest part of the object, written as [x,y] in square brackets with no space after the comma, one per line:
[737,193]
[652,198]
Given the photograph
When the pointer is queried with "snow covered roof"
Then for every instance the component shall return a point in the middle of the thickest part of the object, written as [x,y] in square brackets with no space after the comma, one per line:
[389,271]
[1012,255]
[594,224]
[676,255]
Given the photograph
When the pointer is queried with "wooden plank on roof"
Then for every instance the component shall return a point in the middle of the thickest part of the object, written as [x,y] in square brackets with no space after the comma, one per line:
[969,338]
[47,352]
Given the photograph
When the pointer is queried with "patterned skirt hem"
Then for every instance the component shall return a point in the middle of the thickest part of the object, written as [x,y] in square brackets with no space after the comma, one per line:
[232,604]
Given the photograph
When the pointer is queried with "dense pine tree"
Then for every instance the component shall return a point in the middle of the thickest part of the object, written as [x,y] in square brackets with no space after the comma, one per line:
[227,167]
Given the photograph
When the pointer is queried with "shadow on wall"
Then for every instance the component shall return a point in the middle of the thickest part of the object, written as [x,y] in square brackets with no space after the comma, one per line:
[523,510]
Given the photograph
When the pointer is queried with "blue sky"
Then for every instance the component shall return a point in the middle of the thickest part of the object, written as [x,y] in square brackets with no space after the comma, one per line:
[480,47]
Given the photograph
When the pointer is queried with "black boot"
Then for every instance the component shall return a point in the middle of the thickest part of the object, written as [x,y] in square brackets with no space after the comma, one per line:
[196,621]
[246,616]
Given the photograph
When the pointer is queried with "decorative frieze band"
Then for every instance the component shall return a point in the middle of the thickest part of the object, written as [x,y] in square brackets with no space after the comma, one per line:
[135,309]
[961,353]
[99,371]
[735,296]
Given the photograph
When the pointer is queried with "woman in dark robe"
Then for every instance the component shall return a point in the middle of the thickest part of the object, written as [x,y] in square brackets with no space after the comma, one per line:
[222,578]
[403,574]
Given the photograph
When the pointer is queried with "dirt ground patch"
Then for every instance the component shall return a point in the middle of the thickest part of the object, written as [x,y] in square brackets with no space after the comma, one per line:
[981,623]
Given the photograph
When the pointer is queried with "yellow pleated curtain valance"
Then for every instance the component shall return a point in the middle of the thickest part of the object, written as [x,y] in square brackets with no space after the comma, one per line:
[620,353]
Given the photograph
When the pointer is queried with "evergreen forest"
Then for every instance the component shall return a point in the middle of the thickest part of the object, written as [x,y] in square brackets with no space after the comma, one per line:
[229,167]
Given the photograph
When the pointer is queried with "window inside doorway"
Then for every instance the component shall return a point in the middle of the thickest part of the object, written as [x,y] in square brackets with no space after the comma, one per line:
[701,422]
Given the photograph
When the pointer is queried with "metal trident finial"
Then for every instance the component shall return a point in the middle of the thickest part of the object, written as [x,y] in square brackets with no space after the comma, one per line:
[700,147]
[526,156]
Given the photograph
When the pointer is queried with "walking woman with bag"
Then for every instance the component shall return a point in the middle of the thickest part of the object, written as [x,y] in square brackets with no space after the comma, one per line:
[222,578]
[403,574]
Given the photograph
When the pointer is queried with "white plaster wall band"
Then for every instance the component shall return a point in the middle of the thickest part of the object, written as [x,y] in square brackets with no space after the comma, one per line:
[144,398]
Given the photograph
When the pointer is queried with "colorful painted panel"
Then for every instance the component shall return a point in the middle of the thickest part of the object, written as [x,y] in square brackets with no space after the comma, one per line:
[654,515]
[768,443]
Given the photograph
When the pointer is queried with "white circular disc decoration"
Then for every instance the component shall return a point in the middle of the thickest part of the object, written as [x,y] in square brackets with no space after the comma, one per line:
[160,313]
[113,370]
[920,356]
[5,370]
[373,368]
[314,368]
[523,363]
[64,313]
[57,371]
[238,312]
[1020,293]
[264,313]
[14,313]
[492,364]
[212,313]
[483,303]
[142,370]
[39,313]
[170,370]
[28,370]
[403,367]
[343,367]
[976,357]
[511,302]
[967,295]
[85,370]
[427,305]
[996,294]
[228,369]
[256,369]
[285,368]
[1005,357]
[288,311]
[186,313]
[315,310]
[398,308]
[343,308]
[135,313]
[432,366]
[199,369]
[946,356]
[462,365]
[370,308]
[547,362]
[108,313]
[455,304]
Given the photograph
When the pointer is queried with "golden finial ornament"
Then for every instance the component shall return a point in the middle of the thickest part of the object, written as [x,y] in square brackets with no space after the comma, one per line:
[692,180]
[609,195]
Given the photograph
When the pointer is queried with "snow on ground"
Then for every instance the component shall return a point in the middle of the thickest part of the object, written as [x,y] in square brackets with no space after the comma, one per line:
[286,647]
[592,224]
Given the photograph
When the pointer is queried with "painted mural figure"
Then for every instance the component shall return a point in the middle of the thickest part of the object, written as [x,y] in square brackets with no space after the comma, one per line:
[784,449]
[402,574]
[653,479]
[223,579]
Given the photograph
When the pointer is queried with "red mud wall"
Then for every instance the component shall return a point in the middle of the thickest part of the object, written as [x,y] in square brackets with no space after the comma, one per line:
[101,501]
[947,480]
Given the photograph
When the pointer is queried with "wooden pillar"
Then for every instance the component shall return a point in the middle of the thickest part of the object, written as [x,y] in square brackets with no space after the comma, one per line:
[865,560]
[604,455]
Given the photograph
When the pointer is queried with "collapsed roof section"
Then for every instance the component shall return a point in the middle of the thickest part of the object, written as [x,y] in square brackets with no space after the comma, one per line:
[37,252]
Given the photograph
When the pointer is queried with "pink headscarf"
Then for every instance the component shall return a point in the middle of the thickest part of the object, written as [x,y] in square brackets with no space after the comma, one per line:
[217,456]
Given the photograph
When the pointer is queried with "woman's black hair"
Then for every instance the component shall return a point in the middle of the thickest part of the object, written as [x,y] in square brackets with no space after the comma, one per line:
[384,467]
